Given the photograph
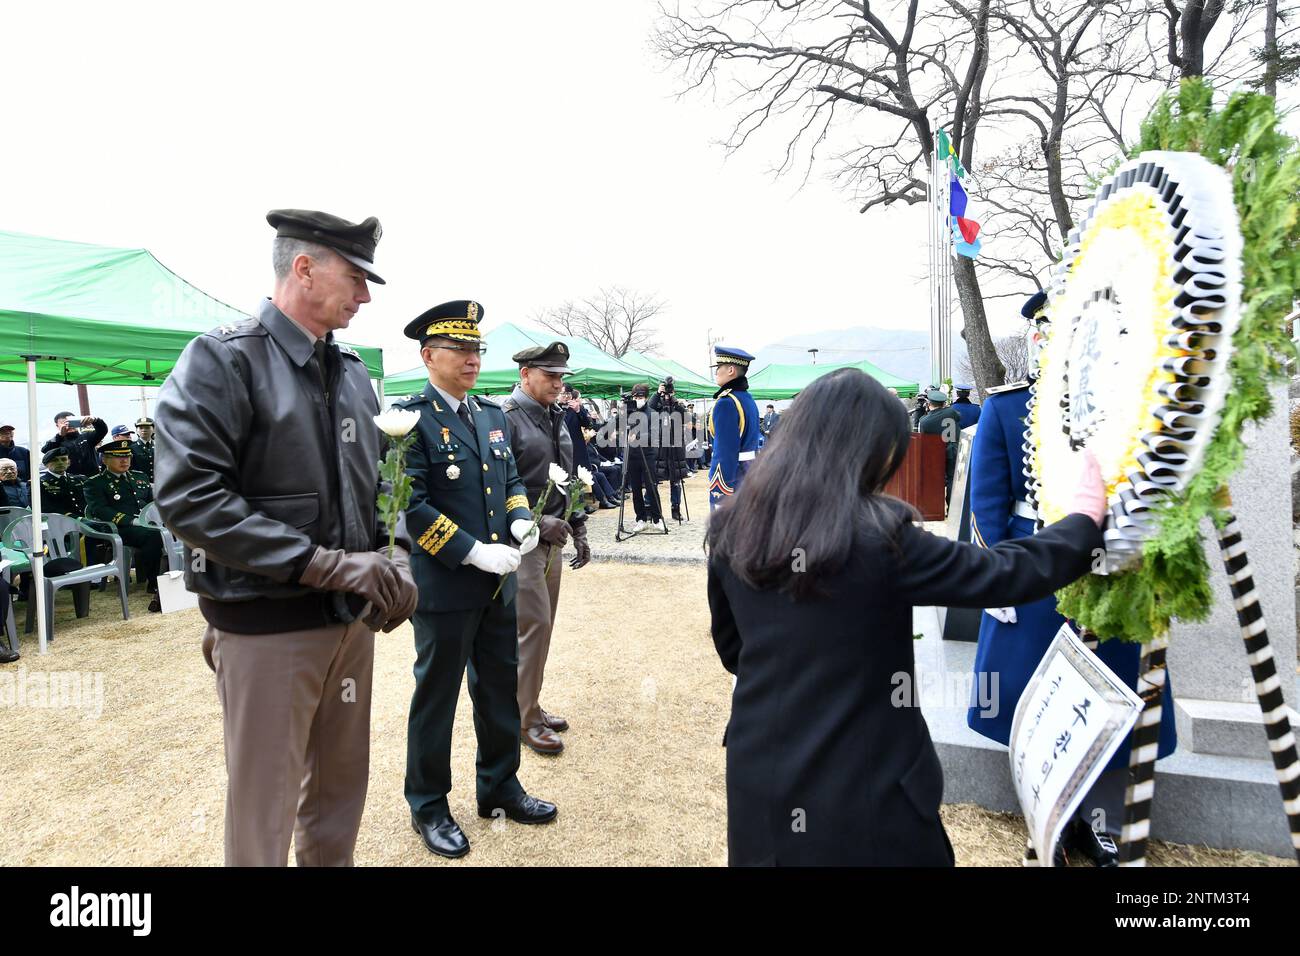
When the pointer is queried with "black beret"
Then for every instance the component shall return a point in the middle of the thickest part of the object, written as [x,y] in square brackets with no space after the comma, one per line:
[547,358]
[1034,304]
[354,241]
[58,451]
[454,320]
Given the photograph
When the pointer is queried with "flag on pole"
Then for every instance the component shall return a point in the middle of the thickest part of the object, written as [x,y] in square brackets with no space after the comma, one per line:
[963,248]
[965,231]
[949,155]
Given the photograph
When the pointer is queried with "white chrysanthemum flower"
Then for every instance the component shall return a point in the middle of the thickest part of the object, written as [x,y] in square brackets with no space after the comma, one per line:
[397,422]
[584,476]
[557,475]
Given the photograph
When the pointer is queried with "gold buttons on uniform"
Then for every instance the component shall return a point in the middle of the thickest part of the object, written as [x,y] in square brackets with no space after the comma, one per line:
[451,457]
[494,535]
[487,491]
[485,466]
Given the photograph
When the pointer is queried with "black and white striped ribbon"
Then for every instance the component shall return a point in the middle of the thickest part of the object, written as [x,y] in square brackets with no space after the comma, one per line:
[1263,670]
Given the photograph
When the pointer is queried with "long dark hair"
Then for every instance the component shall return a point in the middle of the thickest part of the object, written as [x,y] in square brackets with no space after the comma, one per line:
[817,487]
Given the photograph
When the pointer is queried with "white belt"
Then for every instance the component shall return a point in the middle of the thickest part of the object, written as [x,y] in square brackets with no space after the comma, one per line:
[1024,509]
[745,456]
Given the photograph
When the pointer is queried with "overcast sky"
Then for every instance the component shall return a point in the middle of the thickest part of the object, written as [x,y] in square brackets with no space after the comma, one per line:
[516,153]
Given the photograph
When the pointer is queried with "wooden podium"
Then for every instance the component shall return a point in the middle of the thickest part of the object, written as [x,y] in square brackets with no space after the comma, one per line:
[920,478]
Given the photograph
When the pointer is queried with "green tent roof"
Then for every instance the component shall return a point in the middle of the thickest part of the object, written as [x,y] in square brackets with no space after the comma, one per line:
[594,370]
[96,315]
[783,381]
[685,382]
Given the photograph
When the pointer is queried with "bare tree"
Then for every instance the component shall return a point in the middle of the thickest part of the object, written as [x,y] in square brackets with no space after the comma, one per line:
[859,81]
[1014,354]
[616,320]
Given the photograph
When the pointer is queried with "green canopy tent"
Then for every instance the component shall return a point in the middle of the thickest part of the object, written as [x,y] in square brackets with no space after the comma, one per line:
[96,315]
[776,382]
[685,382]
[594,371]
[77,313]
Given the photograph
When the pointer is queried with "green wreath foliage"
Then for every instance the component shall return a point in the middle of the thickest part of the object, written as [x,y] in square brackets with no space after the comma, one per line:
[1245,138]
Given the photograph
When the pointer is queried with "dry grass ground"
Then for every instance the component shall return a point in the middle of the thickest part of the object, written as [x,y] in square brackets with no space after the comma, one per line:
[640,783]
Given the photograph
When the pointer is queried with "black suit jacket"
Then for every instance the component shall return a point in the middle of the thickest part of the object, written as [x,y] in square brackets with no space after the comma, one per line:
[829,761]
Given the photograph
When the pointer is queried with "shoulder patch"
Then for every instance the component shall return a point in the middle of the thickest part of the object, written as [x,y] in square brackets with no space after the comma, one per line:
[406,401]
[348,350]
[1010,387]
[484,400]
[229,330]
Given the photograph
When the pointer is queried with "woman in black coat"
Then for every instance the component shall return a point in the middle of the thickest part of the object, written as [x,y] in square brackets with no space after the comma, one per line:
[829,761]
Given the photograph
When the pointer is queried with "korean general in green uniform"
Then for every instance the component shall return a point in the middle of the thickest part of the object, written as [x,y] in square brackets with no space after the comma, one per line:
[468,508]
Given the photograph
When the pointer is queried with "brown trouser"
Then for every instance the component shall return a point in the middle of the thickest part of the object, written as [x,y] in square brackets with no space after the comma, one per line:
[296,712]
[538,598]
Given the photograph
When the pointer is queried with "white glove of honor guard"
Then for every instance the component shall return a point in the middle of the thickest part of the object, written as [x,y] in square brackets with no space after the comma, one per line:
[526,534]
[493,558]
[1007,615]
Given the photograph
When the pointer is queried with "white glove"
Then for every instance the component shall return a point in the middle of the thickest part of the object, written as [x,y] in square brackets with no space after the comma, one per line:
[493,558]
[1007,615]
[526,534]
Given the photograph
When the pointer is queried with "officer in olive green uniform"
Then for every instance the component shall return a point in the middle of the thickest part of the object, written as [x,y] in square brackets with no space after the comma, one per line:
[117,495]
[467,504]
[61,490]
[142,448]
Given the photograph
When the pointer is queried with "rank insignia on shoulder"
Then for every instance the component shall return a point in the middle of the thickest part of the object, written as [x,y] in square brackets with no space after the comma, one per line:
[348,350]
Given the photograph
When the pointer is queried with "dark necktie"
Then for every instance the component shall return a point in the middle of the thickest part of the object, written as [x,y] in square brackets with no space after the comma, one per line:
[463,414]
[320,364]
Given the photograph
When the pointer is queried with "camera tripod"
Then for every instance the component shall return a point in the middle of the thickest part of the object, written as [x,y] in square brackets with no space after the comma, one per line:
[661,527]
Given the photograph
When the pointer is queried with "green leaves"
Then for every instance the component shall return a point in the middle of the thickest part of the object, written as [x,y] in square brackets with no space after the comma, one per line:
[1245,137]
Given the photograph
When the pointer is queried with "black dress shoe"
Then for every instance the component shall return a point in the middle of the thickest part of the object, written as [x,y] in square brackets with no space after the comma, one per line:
[1097,847]
[155,606]
[521,809]
[7,656]
[442,837]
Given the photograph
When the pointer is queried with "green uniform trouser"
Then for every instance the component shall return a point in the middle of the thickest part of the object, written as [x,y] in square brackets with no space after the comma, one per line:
[148,549]
[485,640]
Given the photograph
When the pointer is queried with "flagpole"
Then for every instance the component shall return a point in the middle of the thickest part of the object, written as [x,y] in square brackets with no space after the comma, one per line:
[936,263]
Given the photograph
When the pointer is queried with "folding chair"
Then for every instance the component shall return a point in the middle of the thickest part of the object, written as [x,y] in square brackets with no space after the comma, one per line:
[62,539]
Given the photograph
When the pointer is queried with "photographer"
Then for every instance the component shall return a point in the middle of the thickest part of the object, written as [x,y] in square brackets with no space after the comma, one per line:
[638,440]
[671,460]
[78,437]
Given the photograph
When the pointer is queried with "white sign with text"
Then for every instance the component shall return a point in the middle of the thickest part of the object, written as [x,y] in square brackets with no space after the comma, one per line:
[1071,719]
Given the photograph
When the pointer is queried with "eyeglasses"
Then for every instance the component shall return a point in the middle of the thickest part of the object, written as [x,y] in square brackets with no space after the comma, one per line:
[463,349]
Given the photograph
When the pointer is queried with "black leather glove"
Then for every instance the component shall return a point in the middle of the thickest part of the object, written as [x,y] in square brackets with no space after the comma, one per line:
[554,530]
[407,599]
[580,543]
[366,573]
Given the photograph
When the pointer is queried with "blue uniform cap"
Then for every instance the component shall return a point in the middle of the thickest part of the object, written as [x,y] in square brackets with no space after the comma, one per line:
[1033,305]
[730,356]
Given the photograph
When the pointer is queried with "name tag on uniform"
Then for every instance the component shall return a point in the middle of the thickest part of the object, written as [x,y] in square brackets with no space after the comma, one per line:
[496,435]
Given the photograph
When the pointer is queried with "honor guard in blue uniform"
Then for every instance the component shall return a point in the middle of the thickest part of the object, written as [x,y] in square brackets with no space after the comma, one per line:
[468,504]
[733,424]
[1013,640]
[963,406]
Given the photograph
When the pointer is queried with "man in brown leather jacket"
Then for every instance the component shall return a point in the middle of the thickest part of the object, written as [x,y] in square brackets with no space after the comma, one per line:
[539,438]
[267,468]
